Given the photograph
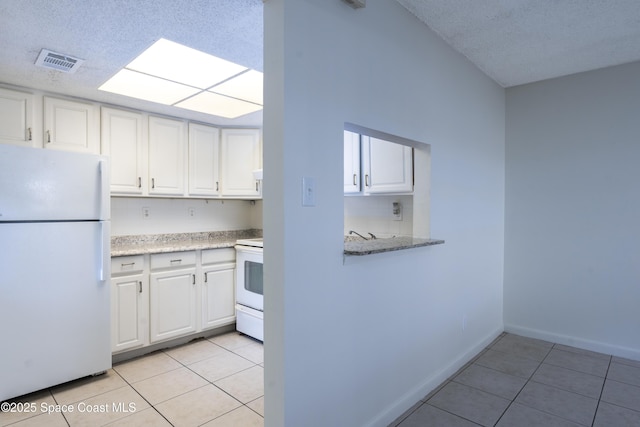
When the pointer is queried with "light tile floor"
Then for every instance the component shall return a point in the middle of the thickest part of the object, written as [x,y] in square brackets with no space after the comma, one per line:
[216,382]
[519,381]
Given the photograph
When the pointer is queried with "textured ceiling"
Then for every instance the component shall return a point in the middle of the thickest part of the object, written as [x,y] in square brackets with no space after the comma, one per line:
[512,41]
[108,34]
[523,41]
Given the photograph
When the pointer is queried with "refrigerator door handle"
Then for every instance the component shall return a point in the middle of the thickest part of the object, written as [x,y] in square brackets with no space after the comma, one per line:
[105,252]
[105,195]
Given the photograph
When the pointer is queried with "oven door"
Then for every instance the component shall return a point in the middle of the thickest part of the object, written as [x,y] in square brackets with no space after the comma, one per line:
[249,289]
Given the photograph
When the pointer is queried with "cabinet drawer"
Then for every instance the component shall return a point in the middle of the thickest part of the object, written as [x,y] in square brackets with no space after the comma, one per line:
[127,264]
[173,259]
[215,256]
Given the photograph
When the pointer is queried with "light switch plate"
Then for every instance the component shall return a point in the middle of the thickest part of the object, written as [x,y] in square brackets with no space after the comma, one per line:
[308,191]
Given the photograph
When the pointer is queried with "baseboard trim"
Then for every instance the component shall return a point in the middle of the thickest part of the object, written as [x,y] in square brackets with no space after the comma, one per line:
[585,344]
[409,399]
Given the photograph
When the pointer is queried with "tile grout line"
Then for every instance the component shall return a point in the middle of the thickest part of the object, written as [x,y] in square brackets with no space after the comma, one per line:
[604,383]
[143,398]
[211,383]
[512,401]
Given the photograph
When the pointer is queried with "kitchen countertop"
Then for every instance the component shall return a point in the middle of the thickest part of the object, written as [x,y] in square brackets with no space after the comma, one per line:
[353,246]
[177,242]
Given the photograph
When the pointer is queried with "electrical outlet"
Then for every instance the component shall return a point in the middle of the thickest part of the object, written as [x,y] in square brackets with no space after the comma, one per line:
[191,212]
[397,211]
[145,213]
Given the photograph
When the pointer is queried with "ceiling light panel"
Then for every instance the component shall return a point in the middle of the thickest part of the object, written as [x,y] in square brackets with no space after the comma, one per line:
[247,86]
[149,88]
[218,105]
[182,64]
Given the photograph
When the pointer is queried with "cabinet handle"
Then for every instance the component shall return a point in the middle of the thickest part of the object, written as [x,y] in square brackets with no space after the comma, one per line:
[175,261]
[140,287]
[123,265]
[194,279]
[48,136]
[256,185]
[29,131]
[153,183]
[355,177]
[217,186]
[205,277]
[366,180]
[139,182]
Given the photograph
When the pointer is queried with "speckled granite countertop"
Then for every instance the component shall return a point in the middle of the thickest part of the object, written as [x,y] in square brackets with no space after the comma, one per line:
[374,246]
[159,243]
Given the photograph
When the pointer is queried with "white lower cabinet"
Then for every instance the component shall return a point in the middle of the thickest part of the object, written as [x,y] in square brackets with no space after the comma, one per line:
[129,303]
[218,287]
[172,295]
[158,297]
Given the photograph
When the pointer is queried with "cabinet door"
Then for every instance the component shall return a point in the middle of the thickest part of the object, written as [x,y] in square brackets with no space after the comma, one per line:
[172,303]
[218,295]
[204,148]
[71,125]
[351,162]
[167,150]
[16,118]
[241,155]
[122,141]
[388,167]
[128,314]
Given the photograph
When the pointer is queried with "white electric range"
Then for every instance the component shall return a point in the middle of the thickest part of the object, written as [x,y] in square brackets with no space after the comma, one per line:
[249,288]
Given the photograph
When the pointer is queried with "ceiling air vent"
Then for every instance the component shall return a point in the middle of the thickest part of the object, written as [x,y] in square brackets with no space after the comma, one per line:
[356,4]
[58,61]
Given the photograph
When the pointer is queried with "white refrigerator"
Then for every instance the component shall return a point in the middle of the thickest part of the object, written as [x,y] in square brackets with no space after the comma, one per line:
[54,268]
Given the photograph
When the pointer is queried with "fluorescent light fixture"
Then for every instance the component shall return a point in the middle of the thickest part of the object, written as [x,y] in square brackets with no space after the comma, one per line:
[218,105]
[247,86]
[182,64]
[149,88]
[173,74]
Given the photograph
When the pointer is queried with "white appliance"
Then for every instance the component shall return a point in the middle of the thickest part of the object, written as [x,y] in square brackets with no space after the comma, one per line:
[54,268]
[249,288]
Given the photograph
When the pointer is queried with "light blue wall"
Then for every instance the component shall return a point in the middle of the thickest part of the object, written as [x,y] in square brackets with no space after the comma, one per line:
[572,249]
[357,342]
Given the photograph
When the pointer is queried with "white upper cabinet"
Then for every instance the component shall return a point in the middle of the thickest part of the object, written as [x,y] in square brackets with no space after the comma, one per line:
[387,166]
[16,119]
[123,140]
[204,149]
[71,125]
[351,162]
[241,154]
[167,154]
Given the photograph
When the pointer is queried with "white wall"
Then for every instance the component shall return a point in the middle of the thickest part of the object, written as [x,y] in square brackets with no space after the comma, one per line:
[572,249]
[174,216]
[357,343]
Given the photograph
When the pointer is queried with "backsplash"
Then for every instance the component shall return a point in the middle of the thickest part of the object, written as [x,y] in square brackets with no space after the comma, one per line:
[128,215]
[374,214]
